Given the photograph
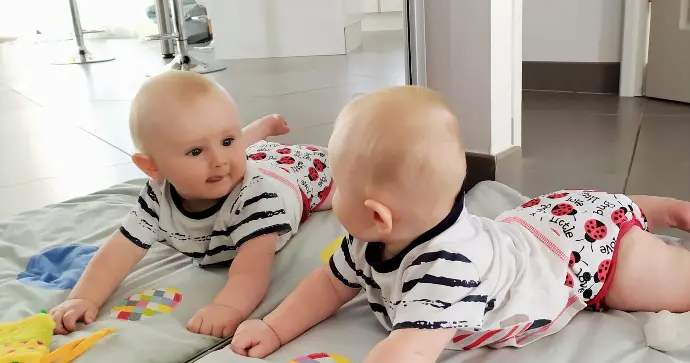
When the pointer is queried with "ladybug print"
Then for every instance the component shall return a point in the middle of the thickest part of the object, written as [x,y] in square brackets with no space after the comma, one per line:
[284,151]
[531,203]
[595,230]
[311,148]
[587,294]
[574,258]
[569,280]
[564,209]
[313,174]
[258,156]
[323,194]
[289,160]
[602,271]
[319,165]
[619,216]
[557,195]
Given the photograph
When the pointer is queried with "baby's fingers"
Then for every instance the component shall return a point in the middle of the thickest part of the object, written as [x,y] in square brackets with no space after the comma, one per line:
[57,318]
[240,344]
[260,350]
[69,320]
[194,324]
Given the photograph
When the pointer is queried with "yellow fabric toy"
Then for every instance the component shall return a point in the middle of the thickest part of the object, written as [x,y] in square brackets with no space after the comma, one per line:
[28,341]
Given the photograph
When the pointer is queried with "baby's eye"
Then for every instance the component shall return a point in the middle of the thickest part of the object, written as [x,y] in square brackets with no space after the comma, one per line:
[228,141]
[194,152]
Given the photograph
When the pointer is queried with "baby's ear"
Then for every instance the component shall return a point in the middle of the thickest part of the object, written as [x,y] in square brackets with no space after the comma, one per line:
[147,165]
[383,218]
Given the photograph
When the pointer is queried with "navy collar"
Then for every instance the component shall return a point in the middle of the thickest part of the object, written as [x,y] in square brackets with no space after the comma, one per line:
[374,250]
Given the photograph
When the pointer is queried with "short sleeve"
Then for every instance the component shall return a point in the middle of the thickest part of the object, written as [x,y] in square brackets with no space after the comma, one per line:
[439,292]
[342,265]
[141,223]
[262,212]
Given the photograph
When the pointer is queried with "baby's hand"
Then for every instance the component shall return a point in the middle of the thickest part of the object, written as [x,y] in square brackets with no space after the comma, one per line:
[217,320]
[69,312]
[254,339]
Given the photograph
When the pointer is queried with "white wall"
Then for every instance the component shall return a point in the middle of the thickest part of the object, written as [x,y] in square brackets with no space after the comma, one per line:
[572,30]
[469,56]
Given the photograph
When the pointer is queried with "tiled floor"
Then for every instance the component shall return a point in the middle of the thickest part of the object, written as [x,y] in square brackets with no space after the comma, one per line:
[63,129]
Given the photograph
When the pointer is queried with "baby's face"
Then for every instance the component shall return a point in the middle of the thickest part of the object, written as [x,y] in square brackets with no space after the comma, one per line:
[200,150]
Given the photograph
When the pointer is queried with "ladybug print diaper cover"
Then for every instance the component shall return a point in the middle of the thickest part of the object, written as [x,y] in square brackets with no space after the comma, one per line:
[594,222]
[308,163]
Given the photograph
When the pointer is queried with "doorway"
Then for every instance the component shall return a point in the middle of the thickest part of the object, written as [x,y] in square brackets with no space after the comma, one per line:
[655,50]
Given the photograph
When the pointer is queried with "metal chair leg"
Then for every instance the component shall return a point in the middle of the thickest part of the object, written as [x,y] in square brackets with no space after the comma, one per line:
[163,17]
[82,56]
[183,61]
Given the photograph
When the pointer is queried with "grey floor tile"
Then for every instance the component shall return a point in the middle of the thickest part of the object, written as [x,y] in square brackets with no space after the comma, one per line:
[537,180]
[578,143]
[107,120]
[663,138]
[36,194]
[33,148]
[660,165]
[582,103]
[661,107]
[11,100]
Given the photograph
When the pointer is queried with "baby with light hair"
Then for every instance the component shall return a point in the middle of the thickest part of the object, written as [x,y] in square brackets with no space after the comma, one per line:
[438,277]
[217,193]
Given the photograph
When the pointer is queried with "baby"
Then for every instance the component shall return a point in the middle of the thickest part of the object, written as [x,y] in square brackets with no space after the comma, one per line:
[217,193]
[438,277]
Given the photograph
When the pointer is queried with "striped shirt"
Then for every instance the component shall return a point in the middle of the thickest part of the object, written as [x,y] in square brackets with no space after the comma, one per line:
[495,282]
[267,201]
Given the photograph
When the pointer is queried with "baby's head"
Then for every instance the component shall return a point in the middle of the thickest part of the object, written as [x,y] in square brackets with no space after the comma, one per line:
[398,160]
[186,130]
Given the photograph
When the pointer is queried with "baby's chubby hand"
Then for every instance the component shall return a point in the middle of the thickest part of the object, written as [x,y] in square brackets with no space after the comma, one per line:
[217,320]
[254,339]
[69,312]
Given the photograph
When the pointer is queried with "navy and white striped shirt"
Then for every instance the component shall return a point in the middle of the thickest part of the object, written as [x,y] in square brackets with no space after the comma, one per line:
[468,273]
[267,201]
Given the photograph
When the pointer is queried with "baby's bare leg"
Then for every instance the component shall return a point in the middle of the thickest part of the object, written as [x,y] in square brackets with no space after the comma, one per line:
[650,275]
[269,125]
[664,212]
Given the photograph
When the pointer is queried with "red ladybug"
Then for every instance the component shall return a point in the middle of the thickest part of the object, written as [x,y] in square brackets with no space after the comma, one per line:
[313,174]
[574,258]
[595,230]
[602,271]
[286,160]
[319,165]
[531,203]
[312,148]
[258,156]
[619,216]
[564,209]
[557,195]
[569,280]
[284,151]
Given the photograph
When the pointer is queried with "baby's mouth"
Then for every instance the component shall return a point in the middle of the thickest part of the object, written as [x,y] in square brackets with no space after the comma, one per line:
[215,179]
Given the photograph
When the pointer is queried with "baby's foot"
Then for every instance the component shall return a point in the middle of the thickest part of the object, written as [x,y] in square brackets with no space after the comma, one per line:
[679,215]
[275,125]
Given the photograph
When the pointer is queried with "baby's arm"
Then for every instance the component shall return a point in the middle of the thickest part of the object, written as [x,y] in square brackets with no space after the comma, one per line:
[411,346]
[109,266]
[316,298]
[248,280]
[112,262]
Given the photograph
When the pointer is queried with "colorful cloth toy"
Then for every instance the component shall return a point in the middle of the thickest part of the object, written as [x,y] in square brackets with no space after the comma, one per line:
[28,341]
[320,357]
